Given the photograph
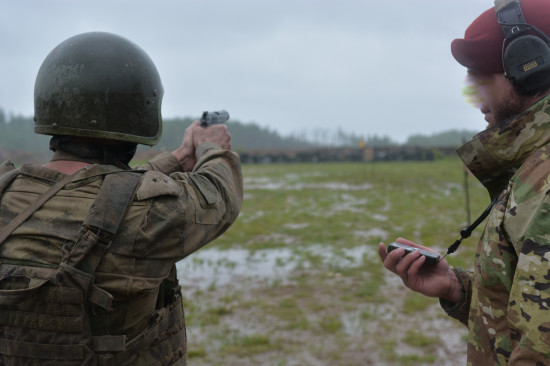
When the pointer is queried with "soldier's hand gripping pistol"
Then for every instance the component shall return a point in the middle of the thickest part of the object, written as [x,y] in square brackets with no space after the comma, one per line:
[214,118]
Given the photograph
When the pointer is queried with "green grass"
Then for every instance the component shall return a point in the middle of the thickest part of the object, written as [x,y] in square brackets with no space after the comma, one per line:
[248,345]
[332,308]
[415,302]
[422,201]
[418,339]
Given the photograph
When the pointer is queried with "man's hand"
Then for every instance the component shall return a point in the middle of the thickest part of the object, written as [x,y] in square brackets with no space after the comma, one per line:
[196,135]
[434,281]
[217,134]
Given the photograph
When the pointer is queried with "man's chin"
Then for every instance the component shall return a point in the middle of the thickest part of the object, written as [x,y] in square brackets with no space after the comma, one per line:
[489,118]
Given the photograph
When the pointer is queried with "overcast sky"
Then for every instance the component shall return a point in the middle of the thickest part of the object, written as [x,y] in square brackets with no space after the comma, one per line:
[372,67]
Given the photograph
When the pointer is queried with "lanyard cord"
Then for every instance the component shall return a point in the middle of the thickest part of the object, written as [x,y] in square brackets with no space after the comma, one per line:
[467,231]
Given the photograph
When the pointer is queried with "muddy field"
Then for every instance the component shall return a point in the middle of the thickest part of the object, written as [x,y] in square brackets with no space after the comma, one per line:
[296,281]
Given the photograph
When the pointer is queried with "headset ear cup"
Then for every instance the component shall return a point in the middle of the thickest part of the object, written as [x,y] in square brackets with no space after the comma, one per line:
[526,63]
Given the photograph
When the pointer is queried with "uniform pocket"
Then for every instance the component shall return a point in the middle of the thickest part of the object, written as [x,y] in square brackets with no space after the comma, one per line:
[207,194]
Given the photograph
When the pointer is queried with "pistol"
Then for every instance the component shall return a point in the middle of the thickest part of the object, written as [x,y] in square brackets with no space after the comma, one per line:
[431,258]
[214,118]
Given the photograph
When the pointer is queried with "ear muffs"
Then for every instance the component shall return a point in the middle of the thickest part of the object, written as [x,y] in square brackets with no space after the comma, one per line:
[526,63]
[525,51]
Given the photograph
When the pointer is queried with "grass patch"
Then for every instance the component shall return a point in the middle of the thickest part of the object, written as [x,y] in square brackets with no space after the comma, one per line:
[419,339]
[323,215]
[414,302]
[196,353]
[331,324]
[249,345]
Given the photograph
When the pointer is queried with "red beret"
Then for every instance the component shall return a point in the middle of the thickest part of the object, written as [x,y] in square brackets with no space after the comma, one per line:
[481,48]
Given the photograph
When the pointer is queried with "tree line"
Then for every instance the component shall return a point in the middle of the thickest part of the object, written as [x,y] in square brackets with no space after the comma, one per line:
[16,134]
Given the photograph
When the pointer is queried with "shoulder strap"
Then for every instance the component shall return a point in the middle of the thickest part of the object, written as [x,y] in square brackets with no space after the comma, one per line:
[103,220]
[97,231]
[113,200]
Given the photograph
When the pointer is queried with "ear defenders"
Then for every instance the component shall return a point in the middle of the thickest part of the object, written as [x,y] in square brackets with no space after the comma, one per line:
[525,50]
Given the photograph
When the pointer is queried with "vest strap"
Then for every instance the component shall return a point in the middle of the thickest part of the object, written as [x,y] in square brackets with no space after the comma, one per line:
[100,298]
[13,348]
[27,212]
[101,224]
[108,343]
[169,323]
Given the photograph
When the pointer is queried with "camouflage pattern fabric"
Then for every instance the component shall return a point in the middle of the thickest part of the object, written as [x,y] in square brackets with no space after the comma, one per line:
[506,299]
[171,217]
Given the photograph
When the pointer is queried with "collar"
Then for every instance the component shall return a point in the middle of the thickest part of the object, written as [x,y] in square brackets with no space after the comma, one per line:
[53,176]
[495,154]
[64,155]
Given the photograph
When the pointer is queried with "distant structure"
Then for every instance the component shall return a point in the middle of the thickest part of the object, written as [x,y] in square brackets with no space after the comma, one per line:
[326,154]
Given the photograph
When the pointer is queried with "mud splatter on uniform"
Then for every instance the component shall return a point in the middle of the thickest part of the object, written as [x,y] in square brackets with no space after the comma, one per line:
[505,301]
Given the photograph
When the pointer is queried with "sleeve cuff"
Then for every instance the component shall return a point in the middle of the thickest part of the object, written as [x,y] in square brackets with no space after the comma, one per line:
[203,148]
[459,310]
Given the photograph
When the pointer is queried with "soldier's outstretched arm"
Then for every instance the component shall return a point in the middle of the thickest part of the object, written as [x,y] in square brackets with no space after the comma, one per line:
[204,202]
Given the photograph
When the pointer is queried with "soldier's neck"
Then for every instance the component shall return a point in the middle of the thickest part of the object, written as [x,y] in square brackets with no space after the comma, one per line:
[66,166]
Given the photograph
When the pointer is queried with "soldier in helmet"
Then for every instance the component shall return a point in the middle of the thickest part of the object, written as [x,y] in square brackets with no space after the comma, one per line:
[88,246]
[505,300]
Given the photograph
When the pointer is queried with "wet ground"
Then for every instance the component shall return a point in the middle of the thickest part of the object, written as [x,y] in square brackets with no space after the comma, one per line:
[243,289]
[297,280]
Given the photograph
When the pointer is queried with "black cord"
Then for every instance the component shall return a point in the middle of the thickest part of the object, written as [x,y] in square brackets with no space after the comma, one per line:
[467,231]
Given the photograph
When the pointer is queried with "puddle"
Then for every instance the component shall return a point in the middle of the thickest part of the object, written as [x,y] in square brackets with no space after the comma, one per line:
[349,203]
[331,186]
[233,266]
[270,185]
[352,323]
[209,266]
[370,234]
[296,226]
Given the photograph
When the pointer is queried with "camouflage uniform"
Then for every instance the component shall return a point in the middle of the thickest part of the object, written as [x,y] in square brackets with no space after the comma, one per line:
[170,217]
[505,301]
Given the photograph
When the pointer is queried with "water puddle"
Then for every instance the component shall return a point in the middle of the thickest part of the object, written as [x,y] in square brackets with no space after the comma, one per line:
[212,266]
[221,267]
[268,184]
[374,233]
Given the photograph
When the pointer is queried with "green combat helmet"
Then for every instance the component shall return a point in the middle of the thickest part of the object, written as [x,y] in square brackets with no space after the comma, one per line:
[99,85]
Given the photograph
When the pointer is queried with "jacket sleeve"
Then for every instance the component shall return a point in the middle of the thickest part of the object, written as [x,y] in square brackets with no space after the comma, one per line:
[461,309]
[164,162]
[213,194]
[182,212]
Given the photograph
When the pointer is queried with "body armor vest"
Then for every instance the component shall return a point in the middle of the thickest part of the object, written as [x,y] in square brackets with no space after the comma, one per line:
[44,310]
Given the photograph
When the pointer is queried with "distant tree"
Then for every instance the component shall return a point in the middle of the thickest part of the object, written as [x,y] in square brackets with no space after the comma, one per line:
[452,138]
[16,133]
[249,136]
[379,141]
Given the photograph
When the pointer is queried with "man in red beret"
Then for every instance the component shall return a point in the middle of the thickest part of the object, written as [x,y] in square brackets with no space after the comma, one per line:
[505,300]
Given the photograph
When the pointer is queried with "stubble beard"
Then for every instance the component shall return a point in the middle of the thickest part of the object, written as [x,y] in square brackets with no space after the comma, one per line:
[512,105]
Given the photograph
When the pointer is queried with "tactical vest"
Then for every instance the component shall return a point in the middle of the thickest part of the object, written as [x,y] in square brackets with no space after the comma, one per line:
[44,311]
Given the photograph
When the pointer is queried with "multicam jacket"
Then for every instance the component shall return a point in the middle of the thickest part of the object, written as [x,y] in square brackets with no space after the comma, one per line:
[506,300]
[170,217]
